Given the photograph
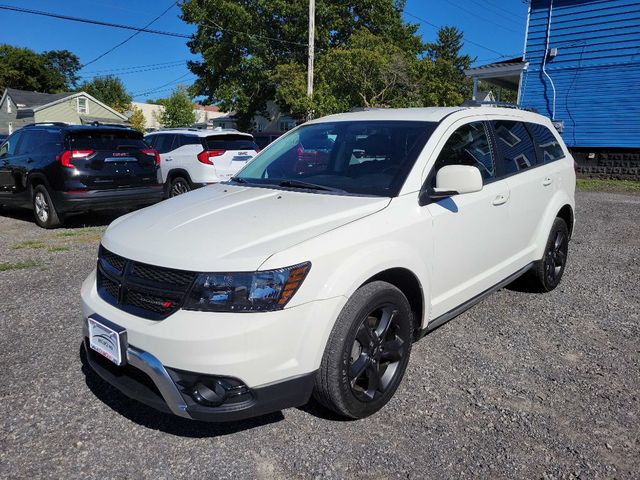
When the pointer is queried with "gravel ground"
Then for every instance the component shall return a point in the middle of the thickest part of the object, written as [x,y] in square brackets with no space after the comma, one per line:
[522,385]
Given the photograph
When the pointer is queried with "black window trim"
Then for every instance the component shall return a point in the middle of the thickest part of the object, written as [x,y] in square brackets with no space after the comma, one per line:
[424,195]
[500,175]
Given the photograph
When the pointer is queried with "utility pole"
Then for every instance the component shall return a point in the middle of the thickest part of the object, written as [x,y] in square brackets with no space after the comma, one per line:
[312,31]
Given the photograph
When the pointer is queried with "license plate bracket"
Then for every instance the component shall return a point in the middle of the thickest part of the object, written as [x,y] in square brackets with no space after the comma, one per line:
[108,339]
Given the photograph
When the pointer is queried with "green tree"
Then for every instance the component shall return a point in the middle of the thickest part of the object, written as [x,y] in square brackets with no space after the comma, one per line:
[137,119]
[243,67]
[53,71]
[109,90]
[178,111]
[443,80]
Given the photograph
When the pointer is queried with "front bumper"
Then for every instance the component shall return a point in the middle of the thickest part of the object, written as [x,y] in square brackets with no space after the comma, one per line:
[146,380]
[273,354]
[107,199]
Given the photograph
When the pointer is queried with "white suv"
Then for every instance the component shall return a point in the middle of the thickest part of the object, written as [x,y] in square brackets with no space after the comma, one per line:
[191,158]
[314,269]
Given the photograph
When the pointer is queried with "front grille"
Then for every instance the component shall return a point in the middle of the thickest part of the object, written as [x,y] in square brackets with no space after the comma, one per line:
[145,290]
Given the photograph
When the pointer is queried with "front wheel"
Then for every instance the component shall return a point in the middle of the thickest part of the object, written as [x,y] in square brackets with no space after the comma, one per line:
[367,353]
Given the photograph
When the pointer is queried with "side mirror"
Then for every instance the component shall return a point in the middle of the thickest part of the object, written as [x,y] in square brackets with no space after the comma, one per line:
[456,180]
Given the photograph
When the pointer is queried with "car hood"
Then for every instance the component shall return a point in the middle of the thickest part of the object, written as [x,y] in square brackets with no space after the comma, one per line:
[231,228]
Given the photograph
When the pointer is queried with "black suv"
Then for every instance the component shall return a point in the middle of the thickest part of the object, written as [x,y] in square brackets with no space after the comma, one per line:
[57,169]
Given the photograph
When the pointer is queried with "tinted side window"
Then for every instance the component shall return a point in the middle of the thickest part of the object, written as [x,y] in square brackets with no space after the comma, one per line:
[164,143]
[515,145]
[468,145]
[547,142]
[187,140]
[103,139]
[41,141]
[9,146]
[150,140]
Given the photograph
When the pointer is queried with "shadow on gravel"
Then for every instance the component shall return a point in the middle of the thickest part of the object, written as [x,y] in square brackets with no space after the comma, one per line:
[524,284]
[89,219]
[156,420]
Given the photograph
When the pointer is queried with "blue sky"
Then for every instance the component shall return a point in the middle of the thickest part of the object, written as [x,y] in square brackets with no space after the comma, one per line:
[151,65]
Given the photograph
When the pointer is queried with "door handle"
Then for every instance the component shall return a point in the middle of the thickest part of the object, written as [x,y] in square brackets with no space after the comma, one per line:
[500,199]
[547,181]
[169,159]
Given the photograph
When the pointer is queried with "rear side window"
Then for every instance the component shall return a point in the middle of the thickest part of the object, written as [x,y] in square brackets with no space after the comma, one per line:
[230,142]
[164,143]
[547,142]
[515,145]
[468,145]
[41,141]
[150,140]
[187,140]
[105,140]
[9,146]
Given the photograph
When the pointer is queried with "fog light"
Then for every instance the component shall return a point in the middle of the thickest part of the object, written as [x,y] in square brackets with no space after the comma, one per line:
[211,395]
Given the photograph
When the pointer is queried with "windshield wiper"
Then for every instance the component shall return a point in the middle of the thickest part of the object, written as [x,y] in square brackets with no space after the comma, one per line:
[307,185]
[238,180]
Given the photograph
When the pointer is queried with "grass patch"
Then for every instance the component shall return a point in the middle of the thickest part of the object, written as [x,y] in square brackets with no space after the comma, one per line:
[4,266]
[58,249]
[603,185]
[77,232]
[33,244]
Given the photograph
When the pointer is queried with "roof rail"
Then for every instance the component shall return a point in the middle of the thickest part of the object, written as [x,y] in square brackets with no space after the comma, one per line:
[52,124]
[101,124]
[476,103]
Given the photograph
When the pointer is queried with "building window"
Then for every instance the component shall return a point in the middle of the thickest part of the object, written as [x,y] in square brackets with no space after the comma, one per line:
[285,126]
[8,105]
[83,105]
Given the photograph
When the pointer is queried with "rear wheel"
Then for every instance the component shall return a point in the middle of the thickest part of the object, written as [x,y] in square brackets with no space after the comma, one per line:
[44,209]
[548,271]
[178,186]
[367,353]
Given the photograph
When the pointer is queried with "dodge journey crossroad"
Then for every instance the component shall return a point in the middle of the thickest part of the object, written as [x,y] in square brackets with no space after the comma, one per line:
[314,268]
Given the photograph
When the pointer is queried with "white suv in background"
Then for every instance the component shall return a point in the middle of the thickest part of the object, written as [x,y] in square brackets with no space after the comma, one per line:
[316,266]
[191,158]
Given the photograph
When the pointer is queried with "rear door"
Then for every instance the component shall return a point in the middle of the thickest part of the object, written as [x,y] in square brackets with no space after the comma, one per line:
[529,182]
[111,158]
[230,152]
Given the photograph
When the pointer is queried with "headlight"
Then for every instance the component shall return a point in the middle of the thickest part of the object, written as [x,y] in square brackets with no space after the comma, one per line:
[246,291]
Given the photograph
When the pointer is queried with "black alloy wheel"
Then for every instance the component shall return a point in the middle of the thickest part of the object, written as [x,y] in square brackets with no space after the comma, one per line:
[548,271]
[376,353]
[367,352]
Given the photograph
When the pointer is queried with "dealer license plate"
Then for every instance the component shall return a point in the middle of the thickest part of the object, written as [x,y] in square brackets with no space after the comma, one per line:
[108,339]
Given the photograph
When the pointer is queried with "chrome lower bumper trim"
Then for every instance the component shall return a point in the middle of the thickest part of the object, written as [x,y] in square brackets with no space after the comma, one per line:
[151,366]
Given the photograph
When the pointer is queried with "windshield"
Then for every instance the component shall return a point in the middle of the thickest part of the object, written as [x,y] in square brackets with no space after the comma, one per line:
[357,157]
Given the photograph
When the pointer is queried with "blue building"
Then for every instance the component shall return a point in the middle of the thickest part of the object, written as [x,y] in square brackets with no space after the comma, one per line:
[581,67]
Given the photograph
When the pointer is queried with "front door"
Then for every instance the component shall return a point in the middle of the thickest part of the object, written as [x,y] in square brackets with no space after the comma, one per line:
[470,230]
[8,158]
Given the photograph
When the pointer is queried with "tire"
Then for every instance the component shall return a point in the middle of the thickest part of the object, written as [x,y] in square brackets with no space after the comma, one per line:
[178,186]
[44,210]
[547,272]
[362,367]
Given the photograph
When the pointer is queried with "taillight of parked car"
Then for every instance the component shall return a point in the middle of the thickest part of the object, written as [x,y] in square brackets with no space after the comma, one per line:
[66,158]
[206,155]
[153,153]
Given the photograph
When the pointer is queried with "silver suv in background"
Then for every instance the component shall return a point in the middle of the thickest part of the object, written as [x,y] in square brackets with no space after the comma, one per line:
[192,158]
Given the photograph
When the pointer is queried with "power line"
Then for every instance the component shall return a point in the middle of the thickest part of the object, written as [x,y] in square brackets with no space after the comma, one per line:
[172,82]
[131,72]
[464,9]
[500,11]
[93,22]
[305,45]
[422,20]
[173,4]
[136,67]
